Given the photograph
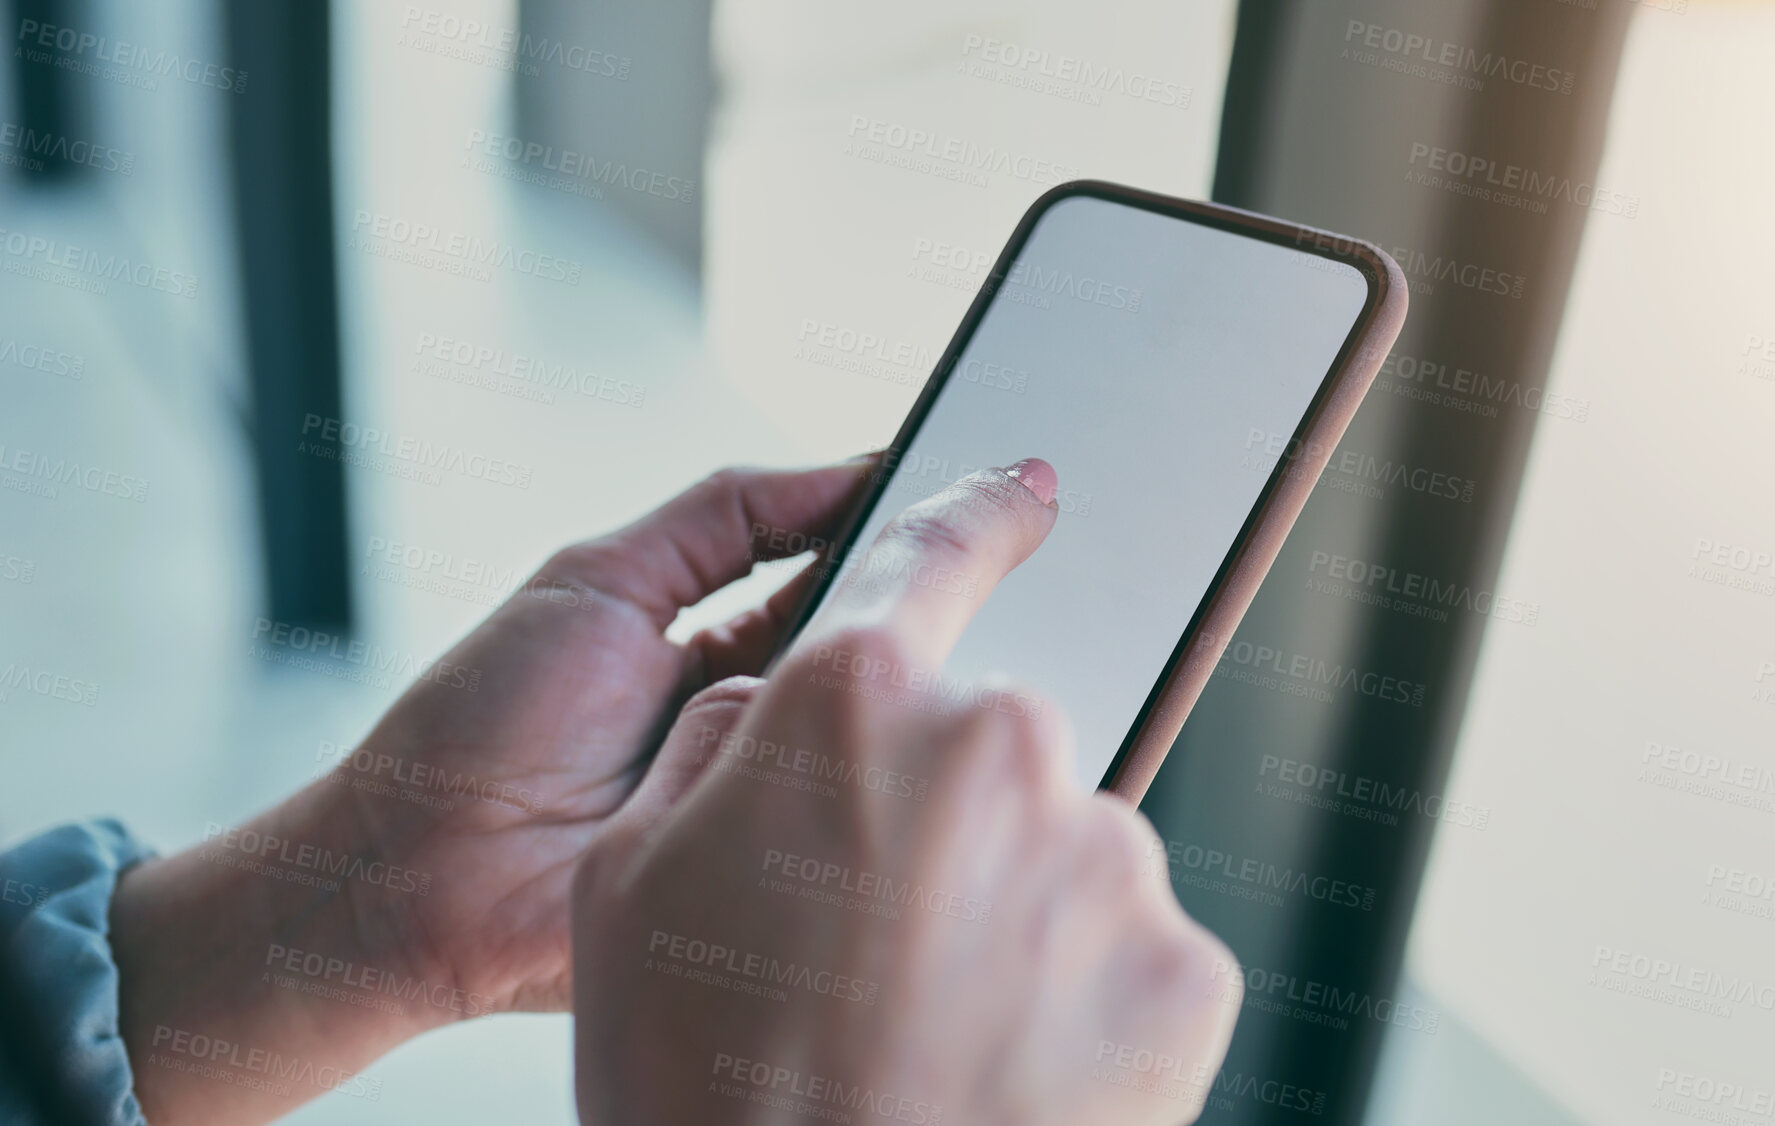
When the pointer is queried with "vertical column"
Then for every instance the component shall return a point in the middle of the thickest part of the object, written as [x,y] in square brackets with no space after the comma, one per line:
[1298,806]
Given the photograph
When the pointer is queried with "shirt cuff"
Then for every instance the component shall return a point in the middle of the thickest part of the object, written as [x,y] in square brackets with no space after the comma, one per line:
[55,904]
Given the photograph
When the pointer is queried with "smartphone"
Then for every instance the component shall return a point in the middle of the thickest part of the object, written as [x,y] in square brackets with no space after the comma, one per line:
[1187,369]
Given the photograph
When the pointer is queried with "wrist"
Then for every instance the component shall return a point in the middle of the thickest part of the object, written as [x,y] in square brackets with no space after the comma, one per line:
[255,948]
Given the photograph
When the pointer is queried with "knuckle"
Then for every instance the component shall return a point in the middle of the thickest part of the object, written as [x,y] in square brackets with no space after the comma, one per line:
[983,739]
[1226,970]
[719,492]
[576,560]
[1136,836]
[728,479]
[712,712]
[1049,727]
[842,684]
[1214,951]
[1114,848]
[1004,748]
[733,690]
[858,652]
[929,528]
[596,869]
[990,491]
[576,575]
[1188,965]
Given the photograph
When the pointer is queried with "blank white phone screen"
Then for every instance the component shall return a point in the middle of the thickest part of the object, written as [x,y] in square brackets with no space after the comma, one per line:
[1161,366]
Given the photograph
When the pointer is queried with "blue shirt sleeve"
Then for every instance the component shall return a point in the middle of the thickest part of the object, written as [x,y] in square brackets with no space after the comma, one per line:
[64,1059]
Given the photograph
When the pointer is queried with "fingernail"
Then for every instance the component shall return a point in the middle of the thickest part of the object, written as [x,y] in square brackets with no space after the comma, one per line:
[1037,476]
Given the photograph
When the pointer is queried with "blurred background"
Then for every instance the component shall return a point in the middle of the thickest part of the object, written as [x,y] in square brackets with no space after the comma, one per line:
[229,229]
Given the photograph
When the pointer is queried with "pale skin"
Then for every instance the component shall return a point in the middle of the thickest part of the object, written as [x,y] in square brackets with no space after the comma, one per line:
[577,684]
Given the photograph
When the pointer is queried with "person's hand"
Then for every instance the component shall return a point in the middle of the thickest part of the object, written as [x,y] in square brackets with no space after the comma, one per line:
[576,684]
[860,888]
[458,821]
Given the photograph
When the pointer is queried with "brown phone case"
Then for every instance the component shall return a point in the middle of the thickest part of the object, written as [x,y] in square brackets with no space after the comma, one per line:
[1291,481]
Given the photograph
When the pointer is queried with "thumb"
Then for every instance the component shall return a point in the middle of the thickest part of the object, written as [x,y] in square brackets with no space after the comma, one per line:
[934,565]
[692,744]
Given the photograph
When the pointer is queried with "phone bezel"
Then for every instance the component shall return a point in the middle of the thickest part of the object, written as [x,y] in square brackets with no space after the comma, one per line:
[1351,371]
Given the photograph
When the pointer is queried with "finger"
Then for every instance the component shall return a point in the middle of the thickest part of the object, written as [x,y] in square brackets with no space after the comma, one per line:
[694,742]
[744,644]
[934,564]
[712,533]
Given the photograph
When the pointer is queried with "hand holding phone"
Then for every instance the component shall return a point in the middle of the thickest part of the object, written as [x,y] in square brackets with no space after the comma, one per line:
[835,892]
[1188,370]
